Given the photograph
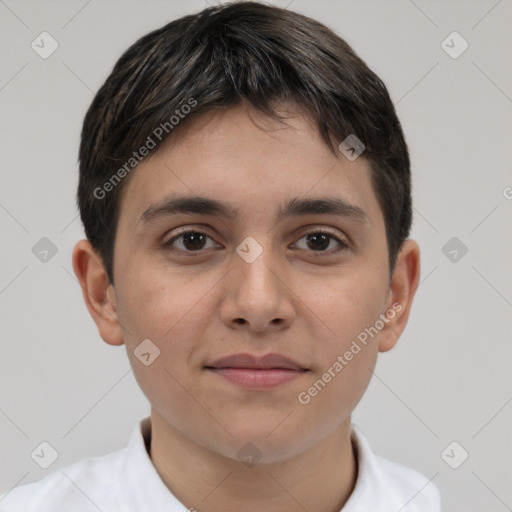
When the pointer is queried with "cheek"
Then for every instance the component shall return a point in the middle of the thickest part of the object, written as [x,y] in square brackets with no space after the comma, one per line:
[149,308]
[347,347]
[168,310]
[156,300]
[343,308]
[145,309]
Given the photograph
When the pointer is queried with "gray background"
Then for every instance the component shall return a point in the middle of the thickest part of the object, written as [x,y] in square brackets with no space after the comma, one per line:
[449,377]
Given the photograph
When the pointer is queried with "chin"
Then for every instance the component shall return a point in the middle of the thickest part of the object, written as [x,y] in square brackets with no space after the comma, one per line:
[265,442]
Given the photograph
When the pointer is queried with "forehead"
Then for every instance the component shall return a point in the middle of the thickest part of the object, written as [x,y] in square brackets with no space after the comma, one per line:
[243,157]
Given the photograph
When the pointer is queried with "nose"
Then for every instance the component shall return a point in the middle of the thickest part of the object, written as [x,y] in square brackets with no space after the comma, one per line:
[257,295]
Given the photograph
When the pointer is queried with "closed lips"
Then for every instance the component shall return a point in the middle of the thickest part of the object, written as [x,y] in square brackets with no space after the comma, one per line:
[249,361]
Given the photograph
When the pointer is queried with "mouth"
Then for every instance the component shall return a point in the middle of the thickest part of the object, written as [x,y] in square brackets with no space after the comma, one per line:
[266,372]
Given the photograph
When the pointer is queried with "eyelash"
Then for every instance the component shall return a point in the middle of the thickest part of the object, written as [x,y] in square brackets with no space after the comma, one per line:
[342,245]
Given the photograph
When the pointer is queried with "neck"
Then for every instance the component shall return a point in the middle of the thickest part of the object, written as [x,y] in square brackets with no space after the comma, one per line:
[320,478]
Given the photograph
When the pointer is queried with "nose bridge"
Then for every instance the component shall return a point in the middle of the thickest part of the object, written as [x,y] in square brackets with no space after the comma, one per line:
[256,292]
[255,267]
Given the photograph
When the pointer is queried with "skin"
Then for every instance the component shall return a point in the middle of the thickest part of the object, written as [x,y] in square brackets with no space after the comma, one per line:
[303,303]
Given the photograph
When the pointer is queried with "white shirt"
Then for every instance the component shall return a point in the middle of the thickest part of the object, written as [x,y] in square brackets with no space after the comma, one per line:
[127,481]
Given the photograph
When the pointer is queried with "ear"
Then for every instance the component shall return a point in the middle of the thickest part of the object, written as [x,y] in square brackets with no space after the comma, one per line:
[98,293]
[402,289]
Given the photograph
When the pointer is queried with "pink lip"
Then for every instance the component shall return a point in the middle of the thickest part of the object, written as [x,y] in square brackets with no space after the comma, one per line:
[264,372]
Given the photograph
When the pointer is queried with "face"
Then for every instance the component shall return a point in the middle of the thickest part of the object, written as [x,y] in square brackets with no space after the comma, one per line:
[202,285]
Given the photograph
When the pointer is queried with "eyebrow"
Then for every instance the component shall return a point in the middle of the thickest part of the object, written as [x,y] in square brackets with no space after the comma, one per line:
[294,207]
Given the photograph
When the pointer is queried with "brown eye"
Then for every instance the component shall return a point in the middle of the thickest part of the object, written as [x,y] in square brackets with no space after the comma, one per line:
[191,241]
[321,241]
[318,241]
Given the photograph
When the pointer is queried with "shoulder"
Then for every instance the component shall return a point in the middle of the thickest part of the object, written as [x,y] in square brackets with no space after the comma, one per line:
[75,487]
[383,485]
[414,489]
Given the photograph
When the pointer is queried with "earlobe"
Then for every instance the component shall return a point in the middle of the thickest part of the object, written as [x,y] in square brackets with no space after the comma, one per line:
[98,293]
[404,283]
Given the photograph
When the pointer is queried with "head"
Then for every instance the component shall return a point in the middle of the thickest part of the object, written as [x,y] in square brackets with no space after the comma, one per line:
[246,105]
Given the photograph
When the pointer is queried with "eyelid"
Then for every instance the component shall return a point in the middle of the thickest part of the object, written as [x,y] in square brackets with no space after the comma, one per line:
[319,228]
[187,229]
[343,243]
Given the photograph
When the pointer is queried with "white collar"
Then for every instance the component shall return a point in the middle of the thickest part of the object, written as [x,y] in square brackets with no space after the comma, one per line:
[381,485]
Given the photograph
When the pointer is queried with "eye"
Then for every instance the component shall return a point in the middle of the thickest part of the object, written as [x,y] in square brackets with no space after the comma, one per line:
[320,241]
[191,241]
